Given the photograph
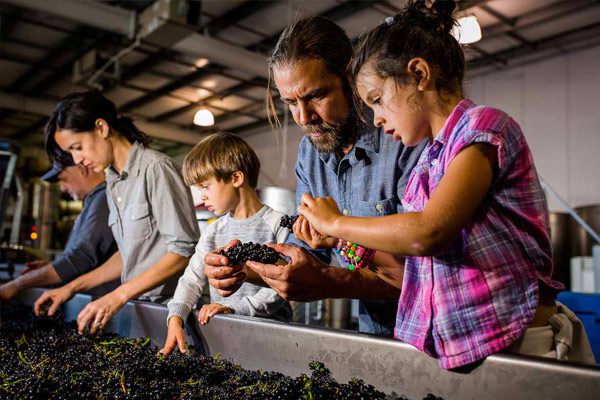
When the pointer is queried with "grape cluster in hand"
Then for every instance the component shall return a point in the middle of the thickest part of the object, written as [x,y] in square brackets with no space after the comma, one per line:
[287,221]
[250,251]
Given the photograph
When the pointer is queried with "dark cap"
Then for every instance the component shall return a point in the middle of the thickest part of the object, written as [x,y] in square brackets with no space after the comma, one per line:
[58,165]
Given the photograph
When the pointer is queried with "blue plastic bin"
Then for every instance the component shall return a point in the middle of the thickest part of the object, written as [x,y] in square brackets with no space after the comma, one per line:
[587,307]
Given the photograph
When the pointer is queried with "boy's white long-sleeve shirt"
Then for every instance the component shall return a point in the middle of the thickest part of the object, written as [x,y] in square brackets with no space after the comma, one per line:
[251,300]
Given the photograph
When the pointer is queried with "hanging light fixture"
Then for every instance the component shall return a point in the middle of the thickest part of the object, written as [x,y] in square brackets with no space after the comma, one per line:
[468,30]
[204,117]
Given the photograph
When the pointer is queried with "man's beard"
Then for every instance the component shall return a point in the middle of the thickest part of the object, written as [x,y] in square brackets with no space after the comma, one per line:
[334,137]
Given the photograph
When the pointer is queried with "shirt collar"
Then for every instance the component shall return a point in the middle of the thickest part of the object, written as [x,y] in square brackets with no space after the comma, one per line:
[132,166]
[460,109]
[368,140]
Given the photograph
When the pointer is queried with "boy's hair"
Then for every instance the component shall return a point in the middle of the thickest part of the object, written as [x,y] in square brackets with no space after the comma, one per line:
[219,155]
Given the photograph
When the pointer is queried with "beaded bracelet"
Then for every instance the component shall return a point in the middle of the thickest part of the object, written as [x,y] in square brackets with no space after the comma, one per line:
[354,255]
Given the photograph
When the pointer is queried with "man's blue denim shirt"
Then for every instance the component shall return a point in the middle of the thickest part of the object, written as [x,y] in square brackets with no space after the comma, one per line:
[368,181]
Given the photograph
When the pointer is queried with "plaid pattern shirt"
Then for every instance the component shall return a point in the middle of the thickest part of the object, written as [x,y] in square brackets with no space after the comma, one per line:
[481,293]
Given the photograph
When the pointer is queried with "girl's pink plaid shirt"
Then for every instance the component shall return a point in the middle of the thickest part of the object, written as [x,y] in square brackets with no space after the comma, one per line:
[481,293]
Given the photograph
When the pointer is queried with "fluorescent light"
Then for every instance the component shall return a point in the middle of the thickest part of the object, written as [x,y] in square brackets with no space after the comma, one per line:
[468,30]
[204,117]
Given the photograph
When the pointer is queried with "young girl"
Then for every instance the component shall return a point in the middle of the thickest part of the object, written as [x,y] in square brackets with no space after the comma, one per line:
[475,235]
[151,210]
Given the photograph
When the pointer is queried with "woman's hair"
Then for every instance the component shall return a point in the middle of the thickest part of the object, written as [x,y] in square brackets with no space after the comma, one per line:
[79,111]
[219,155]
[315,38]
[420,30]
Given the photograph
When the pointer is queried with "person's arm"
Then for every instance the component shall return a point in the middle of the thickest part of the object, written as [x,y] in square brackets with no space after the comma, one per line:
[107,272]
[43,276]
[93,240]
[305,278]
[190,285]
[451,206]
[99,312]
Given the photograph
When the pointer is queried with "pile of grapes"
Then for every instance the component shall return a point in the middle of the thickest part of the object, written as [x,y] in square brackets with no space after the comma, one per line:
[250,251]
[45,358]
[287,221]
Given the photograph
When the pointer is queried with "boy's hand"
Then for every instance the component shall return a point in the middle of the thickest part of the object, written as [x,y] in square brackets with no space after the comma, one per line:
[175,337]
[209,310]
[224,277]
[304,231]
[322,213]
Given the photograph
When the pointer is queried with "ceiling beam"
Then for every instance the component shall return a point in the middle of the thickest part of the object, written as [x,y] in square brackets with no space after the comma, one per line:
[91,13]
[567,38]
[216,96]
[171,86]
[338,12]
[236,14]
[44,106]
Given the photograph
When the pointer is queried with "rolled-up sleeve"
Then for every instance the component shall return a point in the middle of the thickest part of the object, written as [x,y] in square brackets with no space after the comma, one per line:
[91,242]
[173,208]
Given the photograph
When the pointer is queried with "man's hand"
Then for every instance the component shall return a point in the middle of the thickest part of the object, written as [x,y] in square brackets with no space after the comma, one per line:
[97,313]
[55,297]
[224,277]
[304,278]
[9,290]
[209,310]
[304,231]
[175,337]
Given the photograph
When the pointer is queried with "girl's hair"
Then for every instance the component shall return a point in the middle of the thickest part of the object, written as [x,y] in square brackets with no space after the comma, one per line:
[310,38]
[420,30]
[79,111]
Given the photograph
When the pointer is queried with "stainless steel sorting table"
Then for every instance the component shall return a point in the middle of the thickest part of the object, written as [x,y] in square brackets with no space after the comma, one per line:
[391,366]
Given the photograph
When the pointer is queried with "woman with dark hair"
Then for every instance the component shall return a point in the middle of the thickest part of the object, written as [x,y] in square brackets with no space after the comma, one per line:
[478,271]
[151,210]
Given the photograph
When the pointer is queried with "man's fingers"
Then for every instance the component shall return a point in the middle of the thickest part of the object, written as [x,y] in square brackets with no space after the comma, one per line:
[225,272]
[285,249]
[266,271]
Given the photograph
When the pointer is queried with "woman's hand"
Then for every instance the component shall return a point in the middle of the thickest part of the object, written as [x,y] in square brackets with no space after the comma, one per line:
[99,312]
[55,297]
[304,231]
[175,337]
[321,212]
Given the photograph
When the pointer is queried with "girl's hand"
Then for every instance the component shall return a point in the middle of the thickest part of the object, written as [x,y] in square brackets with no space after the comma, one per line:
[55,297]
[321,212]
[304,231]
[175,337]
[99,312]
[209,310]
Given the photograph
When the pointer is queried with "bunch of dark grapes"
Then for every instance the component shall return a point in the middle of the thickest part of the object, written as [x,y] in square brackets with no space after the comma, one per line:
[45,358]
[250,251]
[287,221]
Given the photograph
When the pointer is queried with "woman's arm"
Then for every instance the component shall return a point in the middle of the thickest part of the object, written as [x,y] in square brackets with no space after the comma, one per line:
[169,265]
[109,271]
[451,206]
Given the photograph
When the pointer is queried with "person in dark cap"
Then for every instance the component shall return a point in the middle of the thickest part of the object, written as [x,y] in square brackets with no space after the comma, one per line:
[90,242]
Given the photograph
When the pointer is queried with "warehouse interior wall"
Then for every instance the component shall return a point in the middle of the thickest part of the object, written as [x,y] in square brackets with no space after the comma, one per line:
[555,101]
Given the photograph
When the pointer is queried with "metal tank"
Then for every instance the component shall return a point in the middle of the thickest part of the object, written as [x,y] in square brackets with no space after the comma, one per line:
[581,241]
[561,247]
